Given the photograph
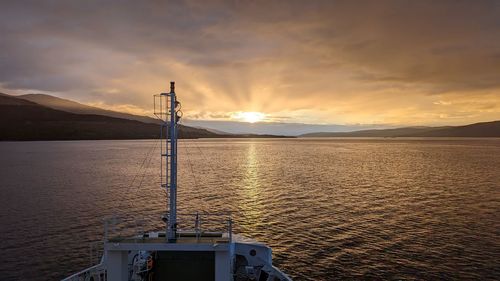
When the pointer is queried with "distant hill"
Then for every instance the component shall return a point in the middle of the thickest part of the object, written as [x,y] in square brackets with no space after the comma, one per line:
[10,100]
[485,129]
[374,133]
[78,108]
[25,120]
[44,117]
[213,130]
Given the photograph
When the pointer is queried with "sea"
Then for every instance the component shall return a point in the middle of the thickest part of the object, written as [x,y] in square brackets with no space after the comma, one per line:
[331,209]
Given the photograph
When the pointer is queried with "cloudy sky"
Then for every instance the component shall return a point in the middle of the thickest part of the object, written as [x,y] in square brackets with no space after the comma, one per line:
[317,62]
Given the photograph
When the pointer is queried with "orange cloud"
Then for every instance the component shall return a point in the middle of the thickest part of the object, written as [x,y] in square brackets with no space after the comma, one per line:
[339,62]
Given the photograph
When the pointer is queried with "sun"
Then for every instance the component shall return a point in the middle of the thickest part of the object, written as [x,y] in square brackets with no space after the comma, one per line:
[250,117]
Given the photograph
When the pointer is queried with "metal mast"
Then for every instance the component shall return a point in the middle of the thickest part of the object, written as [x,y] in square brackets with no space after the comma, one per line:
[168,113]
[172,150]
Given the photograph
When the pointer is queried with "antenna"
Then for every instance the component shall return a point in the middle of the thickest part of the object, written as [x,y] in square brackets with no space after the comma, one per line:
[167,112]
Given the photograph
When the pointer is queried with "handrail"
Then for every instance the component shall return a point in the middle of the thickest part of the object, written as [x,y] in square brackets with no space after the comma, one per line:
[98,267]
[273,270]
[96,251]
[279,273]
[199,223]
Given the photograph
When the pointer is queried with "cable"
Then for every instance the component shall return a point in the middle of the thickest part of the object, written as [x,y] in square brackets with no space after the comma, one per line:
[191,168]
[189,159]
[147,166]
[148,155]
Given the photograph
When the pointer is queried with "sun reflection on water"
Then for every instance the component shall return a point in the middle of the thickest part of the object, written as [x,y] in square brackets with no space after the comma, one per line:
[250,193]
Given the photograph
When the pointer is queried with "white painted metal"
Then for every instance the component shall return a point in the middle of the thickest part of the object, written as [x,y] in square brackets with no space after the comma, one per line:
[117,265]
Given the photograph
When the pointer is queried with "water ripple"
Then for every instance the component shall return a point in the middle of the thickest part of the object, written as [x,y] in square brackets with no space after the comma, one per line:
[345,209]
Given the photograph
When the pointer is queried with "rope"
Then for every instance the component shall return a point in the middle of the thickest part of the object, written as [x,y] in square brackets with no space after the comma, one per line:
[147,165]
[148,156]
[205,158]
[141,171]
[191,168]
[186,133]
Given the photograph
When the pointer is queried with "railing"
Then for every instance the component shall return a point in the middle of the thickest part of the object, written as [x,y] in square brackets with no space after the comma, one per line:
[96,252]
[197,224]
[97,272]
[205,223]
[273,272]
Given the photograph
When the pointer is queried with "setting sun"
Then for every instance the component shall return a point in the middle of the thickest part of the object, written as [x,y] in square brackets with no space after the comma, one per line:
[250,117]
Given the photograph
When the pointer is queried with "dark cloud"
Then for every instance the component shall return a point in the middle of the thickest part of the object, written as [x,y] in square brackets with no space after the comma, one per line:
[254,55]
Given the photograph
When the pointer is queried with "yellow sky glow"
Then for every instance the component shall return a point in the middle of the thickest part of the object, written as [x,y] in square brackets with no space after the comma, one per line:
[250,117]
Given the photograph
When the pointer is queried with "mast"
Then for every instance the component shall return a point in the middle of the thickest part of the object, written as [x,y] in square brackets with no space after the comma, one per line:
[169,129]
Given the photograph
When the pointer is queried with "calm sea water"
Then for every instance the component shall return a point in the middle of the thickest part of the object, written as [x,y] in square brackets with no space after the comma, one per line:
[426,209]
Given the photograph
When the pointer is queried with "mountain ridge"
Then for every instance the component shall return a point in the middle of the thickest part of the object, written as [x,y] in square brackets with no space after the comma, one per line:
[481,129]
[79,108]
[36,105]
[21,119]
[25,120]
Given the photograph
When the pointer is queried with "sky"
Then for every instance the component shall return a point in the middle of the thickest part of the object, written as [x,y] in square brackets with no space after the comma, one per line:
[349,63]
